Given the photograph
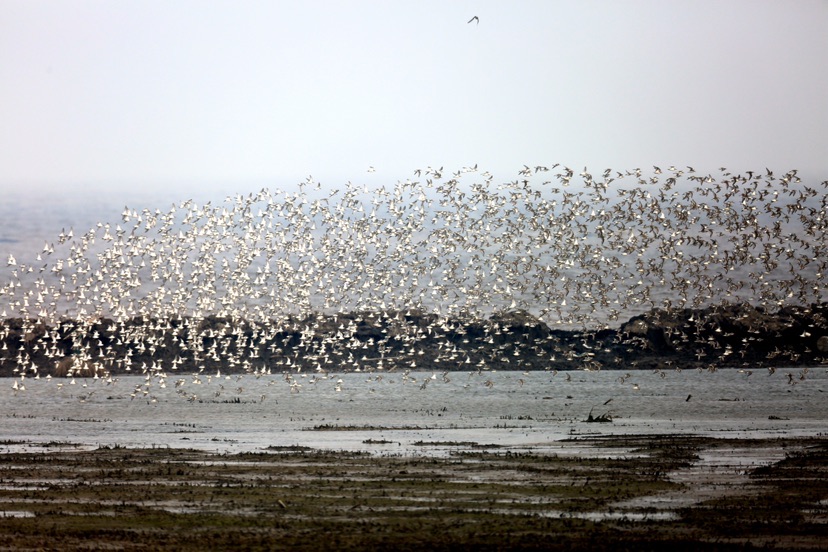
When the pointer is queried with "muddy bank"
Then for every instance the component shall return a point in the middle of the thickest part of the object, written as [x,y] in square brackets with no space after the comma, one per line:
[722,336]
[655,492]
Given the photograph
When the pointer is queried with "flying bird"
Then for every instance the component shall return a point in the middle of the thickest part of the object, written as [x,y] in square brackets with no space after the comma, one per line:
[475,18]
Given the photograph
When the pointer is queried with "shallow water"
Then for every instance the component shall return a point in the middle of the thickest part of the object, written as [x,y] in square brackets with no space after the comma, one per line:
[355,411]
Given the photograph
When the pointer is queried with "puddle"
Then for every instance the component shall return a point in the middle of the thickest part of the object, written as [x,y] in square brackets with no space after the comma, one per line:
[23,487]
[595,516]
[16,513]
[719,472]
[624,516]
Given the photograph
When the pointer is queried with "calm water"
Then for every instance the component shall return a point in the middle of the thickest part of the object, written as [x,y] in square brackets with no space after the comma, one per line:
[510,409]
[31,218]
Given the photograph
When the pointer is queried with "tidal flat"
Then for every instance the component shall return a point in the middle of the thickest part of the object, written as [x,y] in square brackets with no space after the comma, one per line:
[636,492]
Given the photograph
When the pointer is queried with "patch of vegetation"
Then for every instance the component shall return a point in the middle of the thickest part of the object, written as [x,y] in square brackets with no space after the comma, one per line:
[183,499]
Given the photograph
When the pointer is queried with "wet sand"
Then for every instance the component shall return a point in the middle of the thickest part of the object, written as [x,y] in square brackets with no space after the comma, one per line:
[632,492]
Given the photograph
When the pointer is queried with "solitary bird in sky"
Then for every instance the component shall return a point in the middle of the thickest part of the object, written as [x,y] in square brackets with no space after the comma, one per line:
[475,18]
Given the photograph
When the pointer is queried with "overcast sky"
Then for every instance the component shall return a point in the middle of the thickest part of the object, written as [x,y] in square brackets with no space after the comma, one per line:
[173,93]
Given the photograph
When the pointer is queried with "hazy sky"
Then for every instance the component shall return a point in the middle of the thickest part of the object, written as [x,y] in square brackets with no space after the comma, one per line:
[182,93]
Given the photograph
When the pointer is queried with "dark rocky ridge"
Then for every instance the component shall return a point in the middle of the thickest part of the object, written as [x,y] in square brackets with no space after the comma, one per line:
[734,335]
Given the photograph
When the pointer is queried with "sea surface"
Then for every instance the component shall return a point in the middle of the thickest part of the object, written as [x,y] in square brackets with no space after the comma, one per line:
[415,413]
[31,217]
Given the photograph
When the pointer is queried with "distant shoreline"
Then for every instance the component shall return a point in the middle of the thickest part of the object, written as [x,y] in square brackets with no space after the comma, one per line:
[735,335]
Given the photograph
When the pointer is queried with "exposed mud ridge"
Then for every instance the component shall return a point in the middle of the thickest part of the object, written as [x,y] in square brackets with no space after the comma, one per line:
[638,492]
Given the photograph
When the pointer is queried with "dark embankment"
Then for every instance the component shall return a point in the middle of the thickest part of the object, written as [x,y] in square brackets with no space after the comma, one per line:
[723,336]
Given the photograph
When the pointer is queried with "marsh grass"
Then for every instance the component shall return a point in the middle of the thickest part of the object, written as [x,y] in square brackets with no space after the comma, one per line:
[291,497]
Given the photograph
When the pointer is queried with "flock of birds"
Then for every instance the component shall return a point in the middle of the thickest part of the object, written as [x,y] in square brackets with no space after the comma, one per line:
[573,249]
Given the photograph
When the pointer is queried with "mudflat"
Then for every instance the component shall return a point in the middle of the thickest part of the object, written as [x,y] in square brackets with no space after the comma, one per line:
[654,492]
